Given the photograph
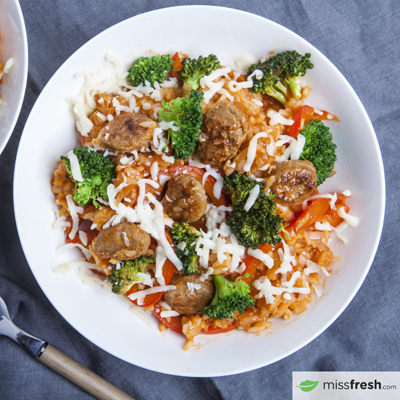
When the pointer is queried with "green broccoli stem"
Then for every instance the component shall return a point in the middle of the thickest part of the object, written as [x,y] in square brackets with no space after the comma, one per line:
[282,87]
[294,85]
[219,283]
[192,83]
[270,91]
[189,86]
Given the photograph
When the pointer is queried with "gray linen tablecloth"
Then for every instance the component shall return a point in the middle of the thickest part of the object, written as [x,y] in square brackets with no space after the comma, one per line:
[362,39]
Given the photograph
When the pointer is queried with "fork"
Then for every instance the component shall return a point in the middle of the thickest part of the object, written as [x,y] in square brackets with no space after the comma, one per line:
[58,361]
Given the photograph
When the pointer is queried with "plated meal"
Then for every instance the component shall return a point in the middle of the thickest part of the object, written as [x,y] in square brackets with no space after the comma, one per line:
[195,191]
[105,318]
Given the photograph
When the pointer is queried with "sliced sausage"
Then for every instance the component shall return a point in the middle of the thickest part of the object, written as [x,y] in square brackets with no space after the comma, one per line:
[185,199]
[294,182]
[224,129]
[128,132]
[124,241]
[185,301]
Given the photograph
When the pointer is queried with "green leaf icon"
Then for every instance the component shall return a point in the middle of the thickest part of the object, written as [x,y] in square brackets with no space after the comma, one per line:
[307,386]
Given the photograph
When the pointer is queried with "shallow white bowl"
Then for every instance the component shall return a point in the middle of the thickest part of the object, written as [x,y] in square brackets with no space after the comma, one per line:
[13,44]
[104,319]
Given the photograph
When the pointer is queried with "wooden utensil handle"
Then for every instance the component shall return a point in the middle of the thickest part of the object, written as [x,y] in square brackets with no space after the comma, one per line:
[80,375]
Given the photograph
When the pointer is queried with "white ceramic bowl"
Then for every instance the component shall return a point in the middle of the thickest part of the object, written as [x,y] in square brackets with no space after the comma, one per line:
[104,319]
[13,44]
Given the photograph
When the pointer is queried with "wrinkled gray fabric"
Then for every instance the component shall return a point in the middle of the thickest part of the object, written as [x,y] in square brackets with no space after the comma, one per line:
[362,39]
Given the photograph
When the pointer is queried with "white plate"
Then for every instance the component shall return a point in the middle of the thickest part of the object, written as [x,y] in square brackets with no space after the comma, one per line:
[13,44]
[104,319]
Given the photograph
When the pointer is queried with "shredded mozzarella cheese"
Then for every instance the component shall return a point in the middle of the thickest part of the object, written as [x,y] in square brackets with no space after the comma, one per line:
[333,198]
[68,246]
[300,142]
[252,150]
[351,220]
[276,118]
[193,286]
[8,65]
[83,237]
[73,211]
[245,61]
[75,168]
[287,260]
[141,294]
[260,255]
[269,292]
[326,226]
[169,313]
[252,197]
[154,170]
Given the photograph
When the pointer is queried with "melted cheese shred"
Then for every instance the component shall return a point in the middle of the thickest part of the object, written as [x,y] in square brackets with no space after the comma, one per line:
[68,246]
[252,197]
[141,294]
[269,292]
[351,220]
[260,255]
[252,150]
[75,168]
[73,211]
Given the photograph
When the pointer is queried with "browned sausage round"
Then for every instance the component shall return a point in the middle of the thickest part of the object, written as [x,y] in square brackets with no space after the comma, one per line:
[128,132]
[186,302]
[224,129]
[124,241]
[294,182]
[185,199]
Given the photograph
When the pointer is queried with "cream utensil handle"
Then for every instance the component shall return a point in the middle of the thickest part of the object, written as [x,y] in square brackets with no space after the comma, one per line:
[80,375]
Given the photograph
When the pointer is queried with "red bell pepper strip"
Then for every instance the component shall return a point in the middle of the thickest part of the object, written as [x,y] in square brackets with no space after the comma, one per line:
[198,174]
[168,272]
[173,323]
[332,216]
[177,59]
[304,115]
[312,214]
[320,209]
[253,263]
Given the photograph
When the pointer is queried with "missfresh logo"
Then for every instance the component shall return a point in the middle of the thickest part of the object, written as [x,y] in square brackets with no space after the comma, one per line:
[314,385]
[307,386]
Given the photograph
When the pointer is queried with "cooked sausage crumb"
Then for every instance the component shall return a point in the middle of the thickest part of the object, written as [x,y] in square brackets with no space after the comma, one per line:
[185,301]
[124,241]
[294,182]
[128,132]
[185,199]
[224,130]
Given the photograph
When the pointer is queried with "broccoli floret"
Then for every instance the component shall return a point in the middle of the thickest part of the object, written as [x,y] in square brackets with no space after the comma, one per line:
[194,69]
[187,115]
[239,186]
[229,297]
[187,234]
[126,275]
[280,74]
[97,173]
[260,224]
[319,149]
[153,69]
